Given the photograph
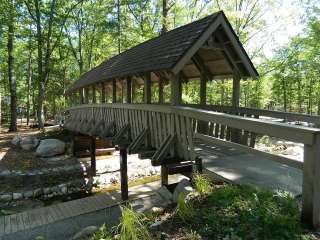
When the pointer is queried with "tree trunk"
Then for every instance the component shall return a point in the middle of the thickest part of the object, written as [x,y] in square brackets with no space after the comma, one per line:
[11,77]
[29,79]
[41,87]
[119,26]
[164,16]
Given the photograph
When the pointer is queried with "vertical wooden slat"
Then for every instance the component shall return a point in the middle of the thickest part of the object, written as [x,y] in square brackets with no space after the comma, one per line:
[311,184]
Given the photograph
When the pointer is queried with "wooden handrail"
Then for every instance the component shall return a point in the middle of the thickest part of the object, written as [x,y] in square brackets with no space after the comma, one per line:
[288,116]
[299,134]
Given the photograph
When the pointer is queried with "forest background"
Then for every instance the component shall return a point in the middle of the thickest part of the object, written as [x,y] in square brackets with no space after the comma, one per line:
[45,45]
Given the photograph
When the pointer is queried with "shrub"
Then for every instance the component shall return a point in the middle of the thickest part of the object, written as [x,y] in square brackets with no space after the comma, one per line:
[185,208]
[132,225]
[202,184]
[251,213]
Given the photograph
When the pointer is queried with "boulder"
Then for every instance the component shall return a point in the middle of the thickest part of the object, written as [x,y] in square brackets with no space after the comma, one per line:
[165,193]
[16,140]
[28,143]
[50,147]
[85,233]
[184,186]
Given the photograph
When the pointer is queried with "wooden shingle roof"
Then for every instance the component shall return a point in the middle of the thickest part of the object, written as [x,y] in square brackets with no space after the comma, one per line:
[170,51]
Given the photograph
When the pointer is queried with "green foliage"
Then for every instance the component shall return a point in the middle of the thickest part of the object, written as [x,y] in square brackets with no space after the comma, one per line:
[246,212]
[202,184]
[185,208]
[132,226]
[102,233]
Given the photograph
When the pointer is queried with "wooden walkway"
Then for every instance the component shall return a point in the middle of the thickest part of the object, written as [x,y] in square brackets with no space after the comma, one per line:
[61,221]
[238,166]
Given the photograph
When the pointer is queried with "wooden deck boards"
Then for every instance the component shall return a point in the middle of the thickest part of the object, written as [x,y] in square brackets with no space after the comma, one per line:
[42,216]
[240,167]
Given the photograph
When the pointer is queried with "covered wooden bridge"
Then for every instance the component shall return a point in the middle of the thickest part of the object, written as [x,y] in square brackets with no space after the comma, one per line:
[134,100]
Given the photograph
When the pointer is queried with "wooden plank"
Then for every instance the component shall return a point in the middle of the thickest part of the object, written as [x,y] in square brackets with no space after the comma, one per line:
[283,160]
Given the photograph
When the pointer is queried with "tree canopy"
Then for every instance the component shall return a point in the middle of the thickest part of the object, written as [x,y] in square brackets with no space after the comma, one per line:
[45,45]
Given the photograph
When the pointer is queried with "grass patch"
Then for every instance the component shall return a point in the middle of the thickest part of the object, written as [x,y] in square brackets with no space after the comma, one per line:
[132,226]
[246,212]
[185,208]
[136,182]
[202,184]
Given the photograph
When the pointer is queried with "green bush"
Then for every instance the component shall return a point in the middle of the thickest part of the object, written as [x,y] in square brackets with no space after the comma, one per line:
[246,212]
[201,184]
[132,225]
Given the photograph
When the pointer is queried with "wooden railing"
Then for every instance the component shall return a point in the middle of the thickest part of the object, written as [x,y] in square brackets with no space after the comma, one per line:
[243,111]
[170,131]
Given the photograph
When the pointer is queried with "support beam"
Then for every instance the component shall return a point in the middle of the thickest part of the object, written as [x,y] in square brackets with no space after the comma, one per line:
[124,173]
[200,65]
[175,89]
[129,90]
[161,86]
[93,156]
[94,99]
[164,175]
[235,133]
[311,184]
[86,96]
[81,93]
[114,91]
[147,88]
[103,93]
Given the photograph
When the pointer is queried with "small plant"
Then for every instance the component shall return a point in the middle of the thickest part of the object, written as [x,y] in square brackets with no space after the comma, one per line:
[102,233]
[202,184]
[132,226]
[185,208]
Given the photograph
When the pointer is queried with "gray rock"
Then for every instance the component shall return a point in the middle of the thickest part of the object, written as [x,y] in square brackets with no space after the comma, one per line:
[5,197]
[47,190]
[28,143]
[165,193]
[85,233]
[63,188]
[184,186]
[28,194]
[156,224]
[50,147]
[16,140]
[17,196]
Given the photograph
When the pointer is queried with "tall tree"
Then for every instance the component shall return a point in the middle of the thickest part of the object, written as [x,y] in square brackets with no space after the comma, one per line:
[11,76]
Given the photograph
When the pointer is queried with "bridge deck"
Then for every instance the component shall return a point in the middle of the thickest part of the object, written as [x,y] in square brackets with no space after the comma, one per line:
[241,167]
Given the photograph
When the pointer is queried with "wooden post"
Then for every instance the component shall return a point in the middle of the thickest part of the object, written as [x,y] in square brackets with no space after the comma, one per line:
[235,133]
[129,88]
[94,99]
[161,100]
[203,126]
[311,184]
[123,173]
[114,91]
[81,92]
[164,175]
[86,95]
[147,88]
[93,156]
[103,93]
[175,89]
